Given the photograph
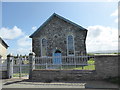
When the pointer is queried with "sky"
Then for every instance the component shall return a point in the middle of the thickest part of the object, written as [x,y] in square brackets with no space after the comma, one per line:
[21,19]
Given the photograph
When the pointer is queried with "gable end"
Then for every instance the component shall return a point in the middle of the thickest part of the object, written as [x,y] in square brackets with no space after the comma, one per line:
[60,17]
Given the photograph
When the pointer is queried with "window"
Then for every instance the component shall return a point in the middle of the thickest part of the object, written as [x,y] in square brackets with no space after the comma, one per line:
[44,47]
[70,46]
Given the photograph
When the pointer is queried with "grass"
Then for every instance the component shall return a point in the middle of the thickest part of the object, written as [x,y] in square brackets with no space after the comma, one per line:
[18,75]
[90,66]
[40,67]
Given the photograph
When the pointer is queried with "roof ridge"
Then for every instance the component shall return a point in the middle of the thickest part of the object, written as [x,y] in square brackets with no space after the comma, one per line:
[3,42]
[54,14]
[69,21]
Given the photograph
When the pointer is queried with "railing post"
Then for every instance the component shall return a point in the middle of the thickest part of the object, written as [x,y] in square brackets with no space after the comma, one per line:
[31,63]
[46,66]
[9,66]
[20,71]
[75,61]
[83,59]
[61,66]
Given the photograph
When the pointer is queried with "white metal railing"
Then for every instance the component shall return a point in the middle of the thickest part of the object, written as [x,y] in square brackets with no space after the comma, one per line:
[61,61]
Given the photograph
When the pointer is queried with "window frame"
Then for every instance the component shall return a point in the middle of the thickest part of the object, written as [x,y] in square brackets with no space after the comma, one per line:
[73,46]
[42,47]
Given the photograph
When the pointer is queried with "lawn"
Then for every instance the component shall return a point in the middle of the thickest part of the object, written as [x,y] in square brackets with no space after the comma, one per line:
[20,75]
[90,66]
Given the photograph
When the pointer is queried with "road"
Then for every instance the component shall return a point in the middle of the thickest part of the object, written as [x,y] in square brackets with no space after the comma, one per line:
[24,83]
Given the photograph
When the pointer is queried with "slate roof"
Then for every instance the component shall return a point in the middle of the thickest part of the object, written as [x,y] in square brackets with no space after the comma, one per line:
[3,43]
[54,14]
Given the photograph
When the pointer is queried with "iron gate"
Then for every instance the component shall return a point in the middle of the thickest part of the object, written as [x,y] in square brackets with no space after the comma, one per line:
[21,67]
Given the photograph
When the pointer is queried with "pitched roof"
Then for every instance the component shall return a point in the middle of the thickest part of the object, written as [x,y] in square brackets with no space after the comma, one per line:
[54,14]
[3,42]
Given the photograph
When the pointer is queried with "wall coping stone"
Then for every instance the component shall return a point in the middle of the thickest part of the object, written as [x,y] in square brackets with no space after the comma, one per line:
[106,55]
[59,70]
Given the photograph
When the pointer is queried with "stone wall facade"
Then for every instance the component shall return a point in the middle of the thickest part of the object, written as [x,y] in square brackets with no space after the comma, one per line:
[105,66]
[56,33]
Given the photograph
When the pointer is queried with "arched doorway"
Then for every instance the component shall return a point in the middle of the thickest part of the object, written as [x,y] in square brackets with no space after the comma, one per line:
[57,57]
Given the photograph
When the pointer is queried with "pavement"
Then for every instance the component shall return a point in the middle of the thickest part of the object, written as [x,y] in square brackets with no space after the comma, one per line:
[25,83]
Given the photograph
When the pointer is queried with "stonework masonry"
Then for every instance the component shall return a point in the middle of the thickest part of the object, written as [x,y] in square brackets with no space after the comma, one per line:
[56,32]
[106,66]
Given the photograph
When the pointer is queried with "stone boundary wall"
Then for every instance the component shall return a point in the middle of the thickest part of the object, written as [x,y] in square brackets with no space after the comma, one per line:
[106,66]
[62,75]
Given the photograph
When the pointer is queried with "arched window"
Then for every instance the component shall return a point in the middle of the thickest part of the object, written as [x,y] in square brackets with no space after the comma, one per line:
[70,45]
[44,47]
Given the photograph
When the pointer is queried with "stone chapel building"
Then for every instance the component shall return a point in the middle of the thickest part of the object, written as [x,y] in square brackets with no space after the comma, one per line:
[59,35]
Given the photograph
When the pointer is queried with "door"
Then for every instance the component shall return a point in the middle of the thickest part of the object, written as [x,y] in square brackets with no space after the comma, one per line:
[57,57]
